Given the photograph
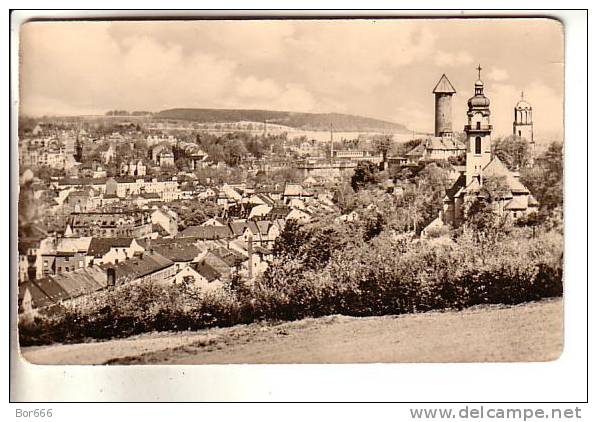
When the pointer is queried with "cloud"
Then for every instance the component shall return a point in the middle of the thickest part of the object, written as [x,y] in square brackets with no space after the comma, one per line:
[415,118]
[384,69]
[445,59]
[497,74]
[547,108]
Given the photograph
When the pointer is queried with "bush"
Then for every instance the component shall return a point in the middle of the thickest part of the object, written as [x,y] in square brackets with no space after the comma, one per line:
[380,277]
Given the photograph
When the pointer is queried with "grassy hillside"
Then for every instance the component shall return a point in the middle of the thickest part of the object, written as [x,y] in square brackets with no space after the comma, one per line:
[527,332]
[306,121]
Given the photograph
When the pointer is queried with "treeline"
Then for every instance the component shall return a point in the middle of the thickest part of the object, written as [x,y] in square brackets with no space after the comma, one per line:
[232,147]
[128,113]
[306,121]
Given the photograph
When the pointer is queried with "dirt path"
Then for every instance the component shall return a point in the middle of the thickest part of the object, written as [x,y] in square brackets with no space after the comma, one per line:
[529,332]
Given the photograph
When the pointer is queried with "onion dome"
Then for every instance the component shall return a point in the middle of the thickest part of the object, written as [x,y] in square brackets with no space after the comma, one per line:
[522,104]
[478,101]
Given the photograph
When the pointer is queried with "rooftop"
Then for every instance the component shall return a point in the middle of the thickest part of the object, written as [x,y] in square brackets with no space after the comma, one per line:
[444,86]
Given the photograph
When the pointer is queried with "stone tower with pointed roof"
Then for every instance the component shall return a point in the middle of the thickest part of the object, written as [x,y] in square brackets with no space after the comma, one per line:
[478,132]
[443,107]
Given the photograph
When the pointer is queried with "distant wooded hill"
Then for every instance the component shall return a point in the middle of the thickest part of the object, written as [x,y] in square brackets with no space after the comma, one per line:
[305,121]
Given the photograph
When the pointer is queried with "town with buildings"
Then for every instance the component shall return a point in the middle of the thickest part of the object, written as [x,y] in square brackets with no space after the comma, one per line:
[132,201]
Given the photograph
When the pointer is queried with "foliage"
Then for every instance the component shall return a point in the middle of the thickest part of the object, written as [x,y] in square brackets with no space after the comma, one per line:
[384,276]
[366,173]
[458,160]
[382,144]
[513,151]
[290,240]
[404,148]
[545,179]
[193,213]
[479,210]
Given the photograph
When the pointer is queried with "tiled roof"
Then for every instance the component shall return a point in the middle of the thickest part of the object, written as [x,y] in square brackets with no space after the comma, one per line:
[261,250]
[260,211]
[498,169]
[238,227]
[135,268]
[278,212]
[416,151]
[207,271]
[230,256]
[263,226]
[39,299]
[443,143]
[519,202]
[251,225]
[157,228]
[100,246]
[177,252]
[54,291]
[86,181]
[533,202]
[295,189]
[207,232]
[81,282]
[73,244]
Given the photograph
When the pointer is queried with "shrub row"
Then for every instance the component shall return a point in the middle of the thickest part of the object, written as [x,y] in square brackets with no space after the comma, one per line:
[363,281]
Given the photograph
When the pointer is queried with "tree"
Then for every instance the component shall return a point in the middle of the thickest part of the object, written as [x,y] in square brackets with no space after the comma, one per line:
[382,145]
[344,198]
[290,240]
[513,150]
[428,191]
[374,222]
[404,148]
[458,160]
[531,220]
[544,179]
[366,173]
[480,209]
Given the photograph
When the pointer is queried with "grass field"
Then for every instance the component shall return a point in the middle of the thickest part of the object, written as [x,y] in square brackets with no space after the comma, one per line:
[528,332]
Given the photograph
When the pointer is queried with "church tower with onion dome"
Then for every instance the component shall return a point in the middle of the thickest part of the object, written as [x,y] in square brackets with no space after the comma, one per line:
[478,132]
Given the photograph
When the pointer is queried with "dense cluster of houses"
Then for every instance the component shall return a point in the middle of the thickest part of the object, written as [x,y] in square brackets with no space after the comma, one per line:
[103,246]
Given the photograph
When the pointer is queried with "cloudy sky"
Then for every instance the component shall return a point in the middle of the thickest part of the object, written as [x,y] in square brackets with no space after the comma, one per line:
[384,69]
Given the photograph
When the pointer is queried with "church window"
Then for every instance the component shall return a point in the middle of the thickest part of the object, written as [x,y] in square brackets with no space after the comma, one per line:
[478,125]
[519,133]
[478,145]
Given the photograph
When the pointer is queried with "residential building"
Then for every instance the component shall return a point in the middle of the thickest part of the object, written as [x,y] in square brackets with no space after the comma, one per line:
[135,224]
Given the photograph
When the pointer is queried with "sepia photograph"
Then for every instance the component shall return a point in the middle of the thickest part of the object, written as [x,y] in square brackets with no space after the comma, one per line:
[290,191]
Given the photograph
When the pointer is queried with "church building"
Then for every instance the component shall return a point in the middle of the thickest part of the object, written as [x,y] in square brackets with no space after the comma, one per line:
[480,164]
[442,145]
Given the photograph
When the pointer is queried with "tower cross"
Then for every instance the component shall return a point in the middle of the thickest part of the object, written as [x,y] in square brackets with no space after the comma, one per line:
[479,68]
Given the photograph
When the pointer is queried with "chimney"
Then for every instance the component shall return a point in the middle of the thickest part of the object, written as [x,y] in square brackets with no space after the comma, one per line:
[250,251]
[111,277]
